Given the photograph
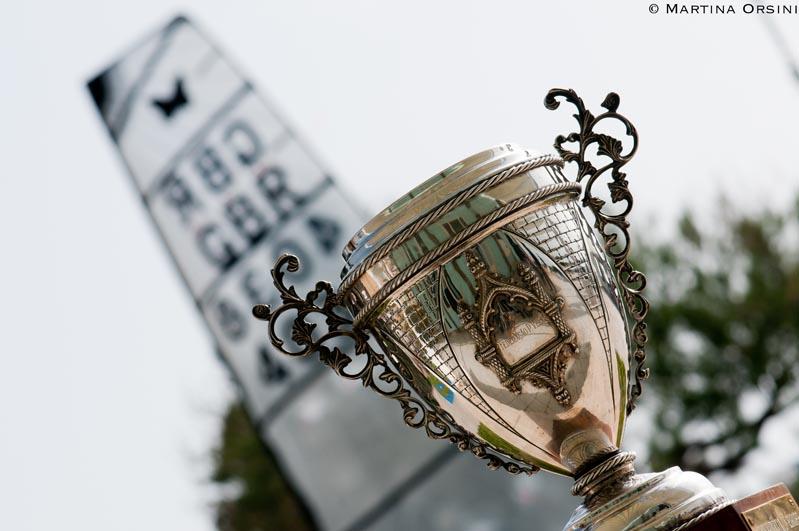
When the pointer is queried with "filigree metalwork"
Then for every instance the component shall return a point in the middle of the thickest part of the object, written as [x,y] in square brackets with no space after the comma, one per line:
[614,226]
[543,367]
[374,371]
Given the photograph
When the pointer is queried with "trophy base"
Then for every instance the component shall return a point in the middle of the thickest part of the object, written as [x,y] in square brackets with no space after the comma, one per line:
[772,508]
[671,500]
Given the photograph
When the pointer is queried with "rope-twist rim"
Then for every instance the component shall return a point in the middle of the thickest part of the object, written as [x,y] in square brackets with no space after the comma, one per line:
[458,239]
[444,208]
[593,476]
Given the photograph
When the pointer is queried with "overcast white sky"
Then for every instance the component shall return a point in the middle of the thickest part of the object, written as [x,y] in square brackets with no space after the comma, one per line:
[109,389]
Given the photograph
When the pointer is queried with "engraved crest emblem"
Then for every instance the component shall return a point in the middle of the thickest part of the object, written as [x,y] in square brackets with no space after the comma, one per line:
[518,329]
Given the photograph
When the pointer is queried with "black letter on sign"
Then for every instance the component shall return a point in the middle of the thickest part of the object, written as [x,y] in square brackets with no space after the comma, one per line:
[245,143]
[212,169]
[271,370]
[220,252]
[326,231]
[272,183]
[178,195]
[230,319]
[248,221]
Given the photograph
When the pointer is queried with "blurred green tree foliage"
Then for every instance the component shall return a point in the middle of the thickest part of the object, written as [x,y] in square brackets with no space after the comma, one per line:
[724,336]
[258,497]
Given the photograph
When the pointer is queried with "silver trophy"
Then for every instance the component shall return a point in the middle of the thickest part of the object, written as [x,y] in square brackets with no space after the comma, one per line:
[506,326]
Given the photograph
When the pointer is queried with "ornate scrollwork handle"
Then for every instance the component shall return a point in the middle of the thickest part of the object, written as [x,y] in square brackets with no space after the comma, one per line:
[375,374]
[610,225]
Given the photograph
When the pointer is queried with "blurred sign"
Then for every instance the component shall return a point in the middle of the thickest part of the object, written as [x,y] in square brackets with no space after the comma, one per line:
[230,188]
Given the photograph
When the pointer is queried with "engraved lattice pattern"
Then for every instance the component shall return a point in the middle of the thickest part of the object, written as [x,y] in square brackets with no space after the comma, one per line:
[426,338]
[556,230]
[603,270]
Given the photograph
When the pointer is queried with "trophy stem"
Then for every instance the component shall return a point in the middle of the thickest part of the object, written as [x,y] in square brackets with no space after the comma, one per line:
[605,480]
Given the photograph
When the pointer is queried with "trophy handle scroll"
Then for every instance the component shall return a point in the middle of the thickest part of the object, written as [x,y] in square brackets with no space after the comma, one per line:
[374,372]
[362,362]
[614,227]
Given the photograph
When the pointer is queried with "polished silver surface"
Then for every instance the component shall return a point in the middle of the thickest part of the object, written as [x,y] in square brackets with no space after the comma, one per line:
[518,330]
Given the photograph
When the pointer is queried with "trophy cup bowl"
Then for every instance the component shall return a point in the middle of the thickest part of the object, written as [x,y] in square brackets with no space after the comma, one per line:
[520,336]
[503,308]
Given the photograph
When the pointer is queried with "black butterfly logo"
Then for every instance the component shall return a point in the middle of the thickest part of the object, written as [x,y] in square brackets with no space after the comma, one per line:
[169,105]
